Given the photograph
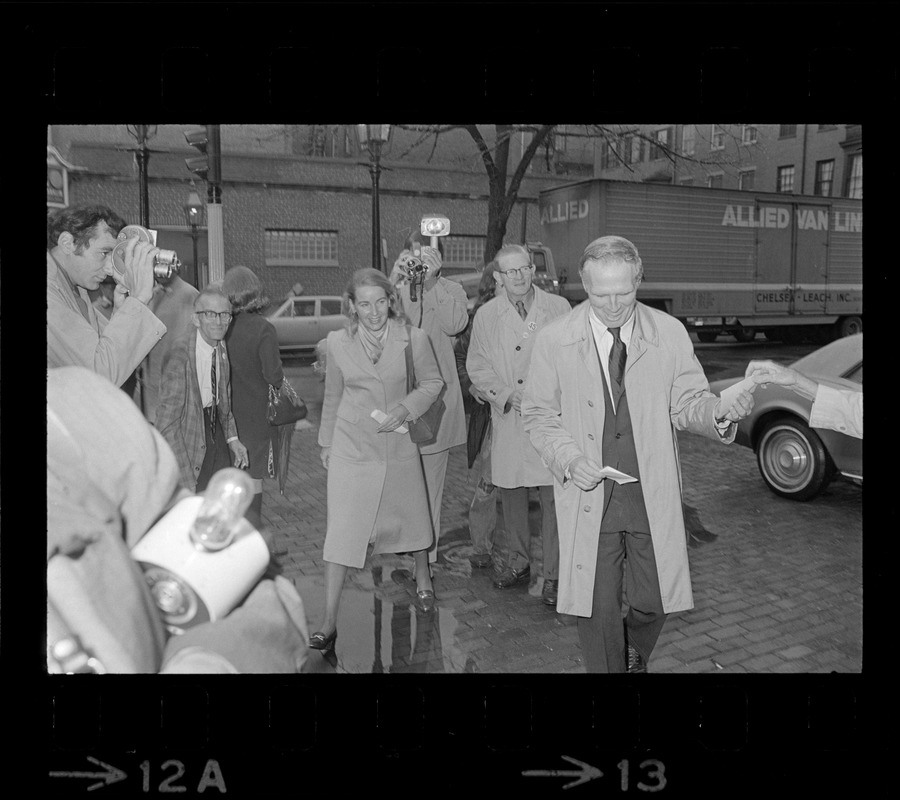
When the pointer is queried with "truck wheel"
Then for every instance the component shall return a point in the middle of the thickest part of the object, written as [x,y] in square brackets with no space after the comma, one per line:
[793,334]
[792,459]
[772,334]
[707,336]
[745,334]
[847,326]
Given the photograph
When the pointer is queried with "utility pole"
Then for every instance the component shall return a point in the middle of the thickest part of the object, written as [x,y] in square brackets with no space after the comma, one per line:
[208,141]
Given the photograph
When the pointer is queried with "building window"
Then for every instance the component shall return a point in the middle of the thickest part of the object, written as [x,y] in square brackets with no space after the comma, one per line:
[686,181]
[824,178]
[660,144]
[626,143]
[785,180]
[715,180]
[717,139]
[286,248]
[787,131]
[637,150]
[748,134]
[854,185]
[688,136]
[827,128]
[461,250]
[608,158]
[746,180]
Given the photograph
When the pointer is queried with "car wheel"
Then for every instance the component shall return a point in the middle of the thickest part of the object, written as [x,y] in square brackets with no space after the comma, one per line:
[792,460]
[745,334]
[707,336]
[847,326]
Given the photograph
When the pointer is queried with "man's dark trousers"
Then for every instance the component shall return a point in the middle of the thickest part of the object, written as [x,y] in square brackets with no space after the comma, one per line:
[624,534]
[218,454]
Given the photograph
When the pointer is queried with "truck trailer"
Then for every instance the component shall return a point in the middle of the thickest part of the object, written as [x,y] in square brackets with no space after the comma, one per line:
[720,260]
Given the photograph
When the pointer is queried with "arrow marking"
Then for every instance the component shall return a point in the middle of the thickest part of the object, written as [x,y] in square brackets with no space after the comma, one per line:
[583,775]
[109,776]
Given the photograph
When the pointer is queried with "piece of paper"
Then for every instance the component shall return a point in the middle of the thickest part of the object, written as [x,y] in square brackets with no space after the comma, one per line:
[379,417]
[730,394]
[615,475]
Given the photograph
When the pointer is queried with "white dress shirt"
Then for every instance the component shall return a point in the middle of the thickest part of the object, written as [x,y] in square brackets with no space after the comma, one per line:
[204,364]
[604,341]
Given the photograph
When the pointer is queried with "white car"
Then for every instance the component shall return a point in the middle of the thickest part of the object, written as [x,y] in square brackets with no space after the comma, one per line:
[301,322]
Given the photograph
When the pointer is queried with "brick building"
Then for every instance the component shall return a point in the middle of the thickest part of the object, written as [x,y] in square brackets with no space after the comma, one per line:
[297,199]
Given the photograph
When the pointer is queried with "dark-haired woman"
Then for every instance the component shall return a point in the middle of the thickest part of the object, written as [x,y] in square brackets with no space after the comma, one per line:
[252,346]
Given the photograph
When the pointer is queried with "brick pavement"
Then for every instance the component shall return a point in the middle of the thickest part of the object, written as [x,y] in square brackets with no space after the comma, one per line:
[777,584]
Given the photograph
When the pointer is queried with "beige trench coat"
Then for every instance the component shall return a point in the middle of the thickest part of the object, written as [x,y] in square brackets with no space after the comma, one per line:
[444,316]
[497,362]
[563,409]
[375,481]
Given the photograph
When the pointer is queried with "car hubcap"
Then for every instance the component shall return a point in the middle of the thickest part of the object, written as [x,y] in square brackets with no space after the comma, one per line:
[787,460]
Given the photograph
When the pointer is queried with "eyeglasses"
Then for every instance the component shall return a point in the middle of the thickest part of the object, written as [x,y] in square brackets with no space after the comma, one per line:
[515,271]
[212,316]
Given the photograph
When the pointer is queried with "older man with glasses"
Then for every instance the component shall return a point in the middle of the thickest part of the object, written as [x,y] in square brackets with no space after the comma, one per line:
[503,334]
[194,414]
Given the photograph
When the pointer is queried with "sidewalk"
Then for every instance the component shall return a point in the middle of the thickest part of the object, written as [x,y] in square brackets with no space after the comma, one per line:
[777,584]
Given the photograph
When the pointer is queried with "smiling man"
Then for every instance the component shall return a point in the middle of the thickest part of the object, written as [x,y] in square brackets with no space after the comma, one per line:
[194,413]
[80,241]
[609,384]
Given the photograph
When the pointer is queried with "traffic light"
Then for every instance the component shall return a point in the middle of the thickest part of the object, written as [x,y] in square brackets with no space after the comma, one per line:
[206,140]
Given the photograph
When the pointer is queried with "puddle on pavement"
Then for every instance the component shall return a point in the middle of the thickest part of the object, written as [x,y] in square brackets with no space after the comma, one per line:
[381,631]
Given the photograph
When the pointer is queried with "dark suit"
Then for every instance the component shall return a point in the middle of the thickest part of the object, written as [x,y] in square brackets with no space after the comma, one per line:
[179,416]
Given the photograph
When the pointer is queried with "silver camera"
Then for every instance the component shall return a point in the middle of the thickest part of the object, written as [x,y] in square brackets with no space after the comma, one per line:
[415,267]
[165,264]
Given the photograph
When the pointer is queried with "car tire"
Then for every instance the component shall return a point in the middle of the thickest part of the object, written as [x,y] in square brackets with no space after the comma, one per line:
[792,459]
[707,336]
[847,326]
[745,334]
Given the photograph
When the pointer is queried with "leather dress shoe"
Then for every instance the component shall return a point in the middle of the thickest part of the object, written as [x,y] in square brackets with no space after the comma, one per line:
[550,592]
[510,577]
[325,644]
[481,560]
[636,661]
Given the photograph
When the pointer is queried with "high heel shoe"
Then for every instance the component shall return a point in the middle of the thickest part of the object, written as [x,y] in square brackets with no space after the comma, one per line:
[425,600]
[324,644]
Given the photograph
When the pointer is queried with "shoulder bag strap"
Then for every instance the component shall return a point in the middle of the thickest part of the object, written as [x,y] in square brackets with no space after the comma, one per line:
[410,369]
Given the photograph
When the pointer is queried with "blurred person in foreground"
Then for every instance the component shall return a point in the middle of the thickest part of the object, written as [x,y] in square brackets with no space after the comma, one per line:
[838,410]
[194,413]
[483,506]
[503,336]
[252,346]
[376,488]
[440,310]
[610,383]
[80,241]
[110,477]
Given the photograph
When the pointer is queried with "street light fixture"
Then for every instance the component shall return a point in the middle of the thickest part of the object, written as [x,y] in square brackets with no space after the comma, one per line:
[193,212]
[372,139]
[142,134]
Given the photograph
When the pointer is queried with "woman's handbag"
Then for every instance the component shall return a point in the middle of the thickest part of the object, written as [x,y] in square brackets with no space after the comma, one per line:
[284,405]
[425,428]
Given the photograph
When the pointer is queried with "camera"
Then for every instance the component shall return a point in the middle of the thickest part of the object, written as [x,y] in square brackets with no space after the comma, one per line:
[165,264]
[415,267]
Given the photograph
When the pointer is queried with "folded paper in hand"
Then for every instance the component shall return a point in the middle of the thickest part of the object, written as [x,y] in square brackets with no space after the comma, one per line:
[615,475]
[379,417]
[730,394]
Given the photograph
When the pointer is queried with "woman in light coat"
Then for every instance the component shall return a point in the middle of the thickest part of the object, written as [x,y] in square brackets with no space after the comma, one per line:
[376,487]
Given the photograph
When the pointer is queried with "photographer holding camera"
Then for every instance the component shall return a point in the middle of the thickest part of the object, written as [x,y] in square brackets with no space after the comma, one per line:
[438,307]
[80,243]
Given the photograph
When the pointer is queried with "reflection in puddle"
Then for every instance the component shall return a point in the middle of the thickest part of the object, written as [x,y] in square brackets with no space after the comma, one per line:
[380,630]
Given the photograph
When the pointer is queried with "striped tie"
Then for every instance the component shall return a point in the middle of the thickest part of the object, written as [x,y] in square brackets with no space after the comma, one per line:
[520,307]
[214,410]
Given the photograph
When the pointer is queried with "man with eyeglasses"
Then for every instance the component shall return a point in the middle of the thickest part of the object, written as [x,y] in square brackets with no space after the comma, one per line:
[499,356]
[194,413]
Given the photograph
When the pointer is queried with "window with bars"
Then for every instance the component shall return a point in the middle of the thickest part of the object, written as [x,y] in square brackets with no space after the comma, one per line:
[787,131]
[785,180]
[746,180]
[688,140]
[294,248]
[824,178]
[463,250]
[749,134]
[854,186]
[717,138]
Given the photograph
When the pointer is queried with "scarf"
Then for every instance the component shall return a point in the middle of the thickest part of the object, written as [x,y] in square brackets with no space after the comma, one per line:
[373,341]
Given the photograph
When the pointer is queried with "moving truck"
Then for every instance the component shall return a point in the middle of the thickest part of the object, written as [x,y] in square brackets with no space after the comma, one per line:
[720,260]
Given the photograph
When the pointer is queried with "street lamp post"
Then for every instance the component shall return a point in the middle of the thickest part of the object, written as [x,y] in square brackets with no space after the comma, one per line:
[193,212]
[373,138]
[142,134]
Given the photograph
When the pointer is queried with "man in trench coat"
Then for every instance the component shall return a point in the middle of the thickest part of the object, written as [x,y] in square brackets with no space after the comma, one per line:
[503,333]
[585,409]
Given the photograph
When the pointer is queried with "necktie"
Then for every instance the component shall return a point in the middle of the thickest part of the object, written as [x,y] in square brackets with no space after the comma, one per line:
[214,410]
[617,356]
[520,307]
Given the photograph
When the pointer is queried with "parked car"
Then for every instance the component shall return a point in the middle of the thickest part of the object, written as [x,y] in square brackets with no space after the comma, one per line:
[797,461]
[301,322]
